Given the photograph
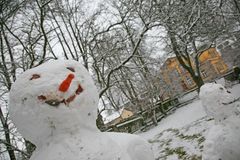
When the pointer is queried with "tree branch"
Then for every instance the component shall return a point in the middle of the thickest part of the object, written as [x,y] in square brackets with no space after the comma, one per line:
[123,63]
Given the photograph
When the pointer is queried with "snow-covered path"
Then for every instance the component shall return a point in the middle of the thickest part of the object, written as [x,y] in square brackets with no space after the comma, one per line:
[182,117]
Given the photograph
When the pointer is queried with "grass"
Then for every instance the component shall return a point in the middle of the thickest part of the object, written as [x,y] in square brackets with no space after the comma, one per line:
[181,154]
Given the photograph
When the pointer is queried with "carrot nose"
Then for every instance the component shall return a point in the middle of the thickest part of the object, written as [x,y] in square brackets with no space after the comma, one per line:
[66,83]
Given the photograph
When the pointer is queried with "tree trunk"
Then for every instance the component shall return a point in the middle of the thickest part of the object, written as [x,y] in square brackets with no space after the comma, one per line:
[7,136]
[29,147]
[185,61]
[154,118]
[198,80]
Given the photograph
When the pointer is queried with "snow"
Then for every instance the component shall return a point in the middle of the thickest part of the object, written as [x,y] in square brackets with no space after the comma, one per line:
[214,98]
[182,135]
[183,116]
[35,89]
[189,96]
[108,118]
[223,139]
[54,106]
[127,122]
[61,122]
[235,91]
[221,81]
[182,143]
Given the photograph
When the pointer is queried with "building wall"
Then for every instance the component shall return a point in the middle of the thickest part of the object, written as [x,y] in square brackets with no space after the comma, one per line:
[212,66]
[173,84]
[185,80]
[124,115]
[230,51]
[178,80]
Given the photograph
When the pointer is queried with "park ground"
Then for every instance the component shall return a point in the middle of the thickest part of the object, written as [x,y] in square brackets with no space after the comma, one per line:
[181,135]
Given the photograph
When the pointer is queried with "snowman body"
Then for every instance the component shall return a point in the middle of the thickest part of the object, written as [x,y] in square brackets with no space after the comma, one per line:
[95,147]
[78,147]
[222,142]
[54,106]
[223,139]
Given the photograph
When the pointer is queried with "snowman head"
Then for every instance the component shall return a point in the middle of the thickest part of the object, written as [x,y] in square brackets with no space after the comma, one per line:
[216,99]
[57,97]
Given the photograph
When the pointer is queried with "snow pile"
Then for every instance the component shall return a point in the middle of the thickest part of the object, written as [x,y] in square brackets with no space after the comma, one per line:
[182,135]
[182,117]
[111,117]
[189,96]
[223,139]
[215,99]
[54,105]
[181,143]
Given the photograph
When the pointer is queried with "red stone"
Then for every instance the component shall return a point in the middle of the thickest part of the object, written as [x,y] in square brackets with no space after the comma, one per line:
[35,76]
[71,98]
[42,97]
[79,89]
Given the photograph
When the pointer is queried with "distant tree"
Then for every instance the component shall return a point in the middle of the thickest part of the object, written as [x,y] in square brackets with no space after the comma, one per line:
[189,25]
[8,9]
[111,42]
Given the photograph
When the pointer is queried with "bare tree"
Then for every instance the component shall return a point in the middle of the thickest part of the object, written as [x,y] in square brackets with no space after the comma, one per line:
[111,42]
[189,25]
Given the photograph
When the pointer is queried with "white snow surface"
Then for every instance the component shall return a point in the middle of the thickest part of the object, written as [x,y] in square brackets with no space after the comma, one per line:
[182,135]
[182,117]
[223,139]
[215,99]
[68,130]
[108,118]
[60,119]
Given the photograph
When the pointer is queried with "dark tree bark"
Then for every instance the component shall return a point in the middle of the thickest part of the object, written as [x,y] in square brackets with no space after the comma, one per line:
[185,61]
[7,136]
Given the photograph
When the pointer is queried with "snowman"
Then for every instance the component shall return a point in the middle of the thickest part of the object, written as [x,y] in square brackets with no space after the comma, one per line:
[223,139]
[54,106]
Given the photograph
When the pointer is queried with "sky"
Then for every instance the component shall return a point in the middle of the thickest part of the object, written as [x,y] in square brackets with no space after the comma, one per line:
[154,40]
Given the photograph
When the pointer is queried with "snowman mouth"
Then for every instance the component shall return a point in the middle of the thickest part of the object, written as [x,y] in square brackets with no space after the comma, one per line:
[56,101]
[53,99]
[230,102]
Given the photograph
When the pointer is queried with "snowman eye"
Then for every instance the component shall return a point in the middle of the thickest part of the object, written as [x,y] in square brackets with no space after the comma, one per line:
[53,102]
[221,88]
[35,76]
[71,69]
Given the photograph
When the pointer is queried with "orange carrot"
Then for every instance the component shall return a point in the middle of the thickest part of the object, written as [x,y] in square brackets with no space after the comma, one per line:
[66,83]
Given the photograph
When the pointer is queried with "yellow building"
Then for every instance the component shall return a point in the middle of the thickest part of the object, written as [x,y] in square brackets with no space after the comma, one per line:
[122,116]
[176,76]
[179,80]
[212,65]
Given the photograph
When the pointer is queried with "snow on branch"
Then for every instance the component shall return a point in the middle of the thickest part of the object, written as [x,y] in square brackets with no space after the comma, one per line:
[123,63]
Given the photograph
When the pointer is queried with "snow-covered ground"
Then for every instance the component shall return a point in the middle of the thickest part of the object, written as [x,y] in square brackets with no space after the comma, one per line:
[181,135]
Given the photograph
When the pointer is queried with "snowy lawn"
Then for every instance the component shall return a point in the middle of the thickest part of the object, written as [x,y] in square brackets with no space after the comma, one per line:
[181,135]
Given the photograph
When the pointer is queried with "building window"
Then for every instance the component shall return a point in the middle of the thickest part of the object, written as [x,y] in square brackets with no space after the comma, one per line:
[182,69]
[212,53]
[189,81]
[220,67]
[204,74]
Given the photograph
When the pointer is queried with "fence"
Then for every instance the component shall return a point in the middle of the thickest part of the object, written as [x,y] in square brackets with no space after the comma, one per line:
[143,120]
